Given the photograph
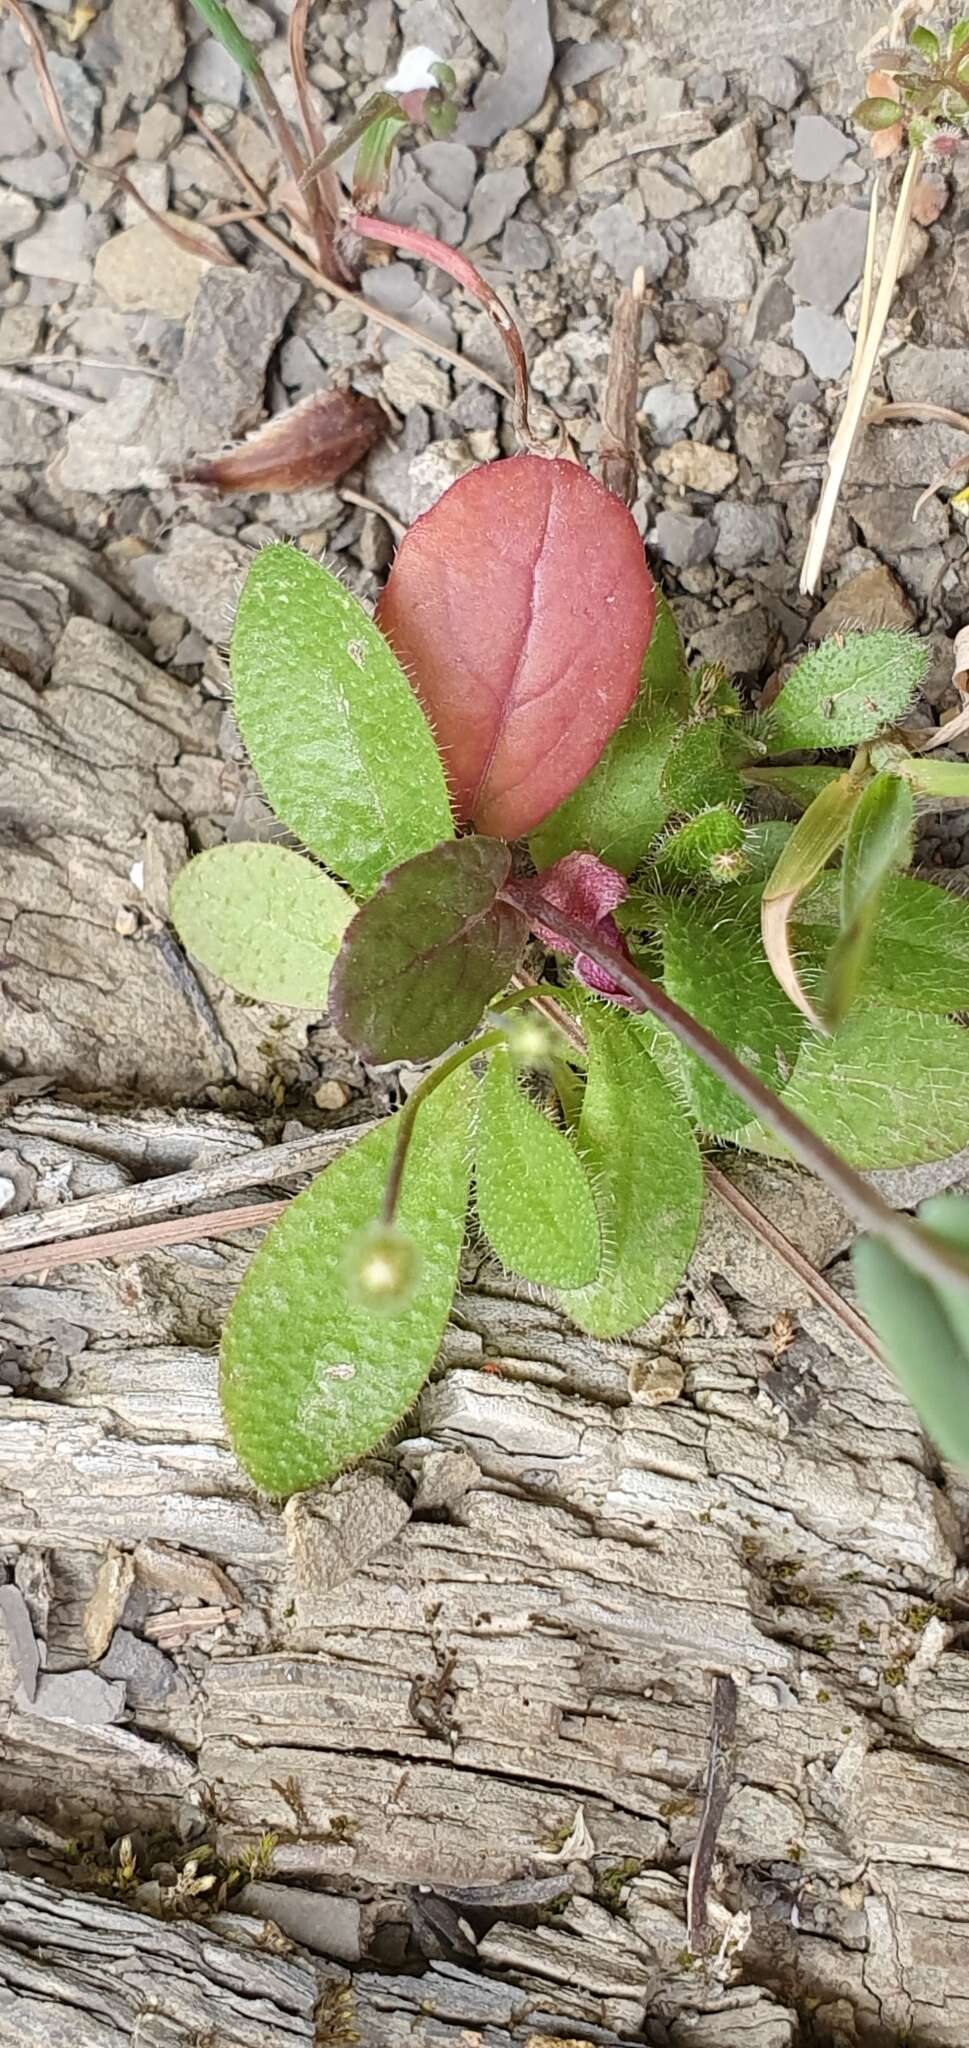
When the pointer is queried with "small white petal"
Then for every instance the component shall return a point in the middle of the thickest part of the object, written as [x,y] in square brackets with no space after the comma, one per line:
[136,874]
[413,73]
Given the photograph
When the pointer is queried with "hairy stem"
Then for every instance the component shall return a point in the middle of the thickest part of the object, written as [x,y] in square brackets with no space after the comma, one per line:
[487,1041]
[920,1248]
[464,273]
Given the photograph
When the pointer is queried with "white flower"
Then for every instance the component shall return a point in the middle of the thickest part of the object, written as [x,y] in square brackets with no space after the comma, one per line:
[413,73]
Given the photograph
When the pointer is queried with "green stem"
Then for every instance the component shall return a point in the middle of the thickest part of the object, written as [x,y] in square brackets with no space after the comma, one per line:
[919,1248]
[487,1041]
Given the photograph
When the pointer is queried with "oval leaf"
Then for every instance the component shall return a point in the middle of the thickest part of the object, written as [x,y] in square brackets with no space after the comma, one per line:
[920,950]
[846,690]
[310,1380]
[521,605]
[923,1347]
[337,738]
[421,961]
[264,919]
[889,1088]
[620,807]
[714,964]
[645,1167]
[699,769]
[534,1199]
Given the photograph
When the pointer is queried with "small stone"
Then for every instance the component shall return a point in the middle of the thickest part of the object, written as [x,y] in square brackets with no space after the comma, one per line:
[151,40]
[626,245]
[524,247]
[213,74]
[495,197]
[652,1381]
[475,408]
[331,1095]
[55,250]
[710,87]
[516,34]
[142,270]
[759,438]
[938,376]
[917,245]
[413,202]
[824,339]
[201,577]
[779,82]
[151,181]
[413,379]
[729,161]
[116,1575]
[18,215]
[581,61]
[748,533]
[80,101]
[435,470]
[740,640]
[772,310]
[669,410]
[724,260]
[829,256]
[887,520]
[20,331]
[450,169]
[696,466]
[682,540]
[149,1676]
[46,176]
[819,147]
[158,131]
[234,325]
[866,603]
[78,1697]
[324,1922]
[16,131]
[8,1193]
[550,175]
[662,198]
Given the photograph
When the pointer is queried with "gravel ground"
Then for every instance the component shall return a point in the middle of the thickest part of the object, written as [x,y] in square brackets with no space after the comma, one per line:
[593,142]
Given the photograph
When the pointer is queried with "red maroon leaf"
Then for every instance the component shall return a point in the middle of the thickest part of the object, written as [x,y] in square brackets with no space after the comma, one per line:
[584,887]
[521,607]
[313,443]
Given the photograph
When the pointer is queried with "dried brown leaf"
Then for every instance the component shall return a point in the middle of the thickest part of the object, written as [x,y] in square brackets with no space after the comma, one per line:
[313,443]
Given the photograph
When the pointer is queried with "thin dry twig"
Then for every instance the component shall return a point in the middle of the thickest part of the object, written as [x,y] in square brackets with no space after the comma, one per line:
[823,1293]
[133,1244]
[619,446]
[723,1732]
[322,191]
[871,330]
[397,527]
[42,393]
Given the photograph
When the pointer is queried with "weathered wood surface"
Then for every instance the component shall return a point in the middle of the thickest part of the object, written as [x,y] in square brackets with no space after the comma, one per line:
[468,1689]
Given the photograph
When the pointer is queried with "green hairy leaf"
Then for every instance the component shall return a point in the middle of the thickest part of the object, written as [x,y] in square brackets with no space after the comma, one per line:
[846,690]
[424,957]
[310,1379]
[700,768]
[799,785]
[926,1347]
[645,1166]
[264,919]
[930,776]
[875,113]
[919,956]
[534,1197]
[716,967]
[889,1088]
[336,735]
[816,836]
[619,808]
[879,841]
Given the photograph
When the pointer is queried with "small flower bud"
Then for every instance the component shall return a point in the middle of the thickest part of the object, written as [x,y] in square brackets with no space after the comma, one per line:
[531,1041]
[381,1267]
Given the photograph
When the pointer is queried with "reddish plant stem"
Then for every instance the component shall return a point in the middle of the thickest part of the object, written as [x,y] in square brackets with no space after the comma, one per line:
[458,266]
[927,1253]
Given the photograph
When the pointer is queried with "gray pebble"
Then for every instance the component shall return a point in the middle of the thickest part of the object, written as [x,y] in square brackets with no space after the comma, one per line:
[16,131]
[824,339]
[626,245]
[682,540]
[150,1676]
[669,410]
[829,256]
[494,199]
[748,533]
[724,260]
[710,87]
[80,101]
[940,375]
[819,147]
[525,246]
[779,82]
[213,74]
[46,176]
[449,168]
[582,61]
